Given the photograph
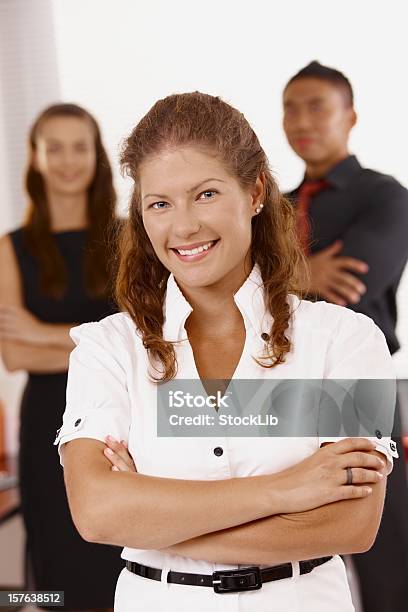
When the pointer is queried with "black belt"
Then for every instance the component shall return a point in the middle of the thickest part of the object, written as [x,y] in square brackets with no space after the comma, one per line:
[228,581]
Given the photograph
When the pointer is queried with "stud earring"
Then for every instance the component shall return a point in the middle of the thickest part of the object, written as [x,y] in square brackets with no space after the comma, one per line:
[259,208]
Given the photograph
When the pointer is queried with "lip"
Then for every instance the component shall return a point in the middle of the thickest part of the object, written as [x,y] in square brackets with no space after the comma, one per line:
[198,256]
[195,245]
[70,177]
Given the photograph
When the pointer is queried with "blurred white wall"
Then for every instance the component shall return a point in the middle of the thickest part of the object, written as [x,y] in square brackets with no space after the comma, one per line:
[116,57]
[29,80]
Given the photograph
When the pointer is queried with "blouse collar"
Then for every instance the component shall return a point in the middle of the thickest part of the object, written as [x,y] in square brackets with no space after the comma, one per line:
[249,299]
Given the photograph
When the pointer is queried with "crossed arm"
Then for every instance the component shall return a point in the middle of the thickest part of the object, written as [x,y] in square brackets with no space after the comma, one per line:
[234,520]
[358,269]
[331,529]
[26,342]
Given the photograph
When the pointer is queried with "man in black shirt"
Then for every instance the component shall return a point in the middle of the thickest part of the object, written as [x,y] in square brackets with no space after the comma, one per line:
[353,223]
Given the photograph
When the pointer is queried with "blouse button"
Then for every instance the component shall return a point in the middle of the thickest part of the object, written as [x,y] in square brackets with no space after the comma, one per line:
[218,451]
[77,422]
[265,337]
[378,434]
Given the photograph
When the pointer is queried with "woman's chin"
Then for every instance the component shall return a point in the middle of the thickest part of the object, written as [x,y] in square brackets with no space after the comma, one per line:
[195,279]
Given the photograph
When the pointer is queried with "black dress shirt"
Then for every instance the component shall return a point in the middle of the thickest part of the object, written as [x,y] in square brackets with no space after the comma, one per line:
[368,211]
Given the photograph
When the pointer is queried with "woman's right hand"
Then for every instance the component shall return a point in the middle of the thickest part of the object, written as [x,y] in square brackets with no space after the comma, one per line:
[321,478]
[118,455]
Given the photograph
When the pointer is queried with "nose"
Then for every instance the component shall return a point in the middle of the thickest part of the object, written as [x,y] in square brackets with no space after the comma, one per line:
[185,222]
[69,158]
[302,121]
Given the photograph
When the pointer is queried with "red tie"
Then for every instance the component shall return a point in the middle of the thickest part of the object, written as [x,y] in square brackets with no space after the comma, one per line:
[306,192]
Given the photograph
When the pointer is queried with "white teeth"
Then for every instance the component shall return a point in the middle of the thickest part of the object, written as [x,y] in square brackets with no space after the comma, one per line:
[195,251]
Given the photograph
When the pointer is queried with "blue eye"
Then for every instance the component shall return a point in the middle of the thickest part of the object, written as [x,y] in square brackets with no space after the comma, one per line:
[157,206]
[209,191]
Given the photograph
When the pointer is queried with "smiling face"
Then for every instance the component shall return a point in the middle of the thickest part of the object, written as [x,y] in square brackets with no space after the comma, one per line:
[65,154]
[197,216]
[317,119]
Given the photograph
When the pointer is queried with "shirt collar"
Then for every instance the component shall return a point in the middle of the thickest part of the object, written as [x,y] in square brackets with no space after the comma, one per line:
[249,298]
[176,312]
[341,175]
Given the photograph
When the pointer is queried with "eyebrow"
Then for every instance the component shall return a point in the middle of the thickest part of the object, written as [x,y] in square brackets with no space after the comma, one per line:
[293,102]
[156,195]
[315,99]
[53,141]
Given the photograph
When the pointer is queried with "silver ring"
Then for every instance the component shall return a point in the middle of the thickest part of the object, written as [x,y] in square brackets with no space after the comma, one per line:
[349,476]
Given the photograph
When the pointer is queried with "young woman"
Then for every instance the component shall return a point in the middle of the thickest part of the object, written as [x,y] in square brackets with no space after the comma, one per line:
[207,285]
[54,275]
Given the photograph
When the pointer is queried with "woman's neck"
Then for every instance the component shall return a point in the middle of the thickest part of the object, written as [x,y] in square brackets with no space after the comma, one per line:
[68,211]
[214,317]
[214,307]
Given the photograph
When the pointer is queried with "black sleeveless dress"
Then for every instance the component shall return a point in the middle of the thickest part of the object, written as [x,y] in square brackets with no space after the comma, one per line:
[59,558]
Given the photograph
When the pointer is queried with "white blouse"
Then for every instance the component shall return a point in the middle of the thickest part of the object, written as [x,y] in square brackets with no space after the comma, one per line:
[109,392]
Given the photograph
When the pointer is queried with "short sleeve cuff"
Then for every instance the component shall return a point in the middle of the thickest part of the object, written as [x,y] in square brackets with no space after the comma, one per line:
[92,423]
[385,445]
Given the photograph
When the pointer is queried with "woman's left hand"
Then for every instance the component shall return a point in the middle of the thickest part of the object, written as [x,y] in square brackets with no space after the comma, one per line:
[18,324]
[117,453]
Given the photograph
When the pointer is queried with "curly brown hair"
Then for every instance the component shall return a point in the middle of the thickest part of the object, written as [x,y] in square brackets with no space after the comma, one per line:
[206,121]
[101,215]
